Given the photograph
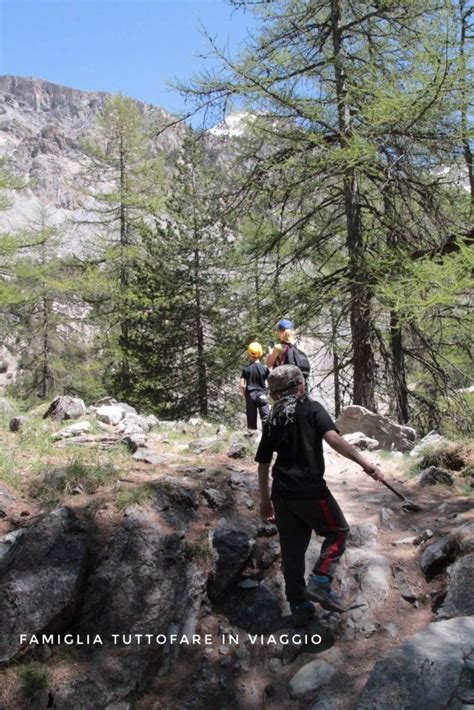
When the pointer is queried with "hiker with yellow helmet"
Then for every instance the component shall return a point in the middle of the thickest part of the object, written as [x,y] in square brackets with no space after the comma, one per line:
[253,387]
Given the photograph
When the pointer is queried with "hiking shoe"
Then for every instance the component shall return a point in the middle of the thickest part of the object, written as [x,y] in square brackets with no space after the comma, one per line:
[319,590]
[302,613]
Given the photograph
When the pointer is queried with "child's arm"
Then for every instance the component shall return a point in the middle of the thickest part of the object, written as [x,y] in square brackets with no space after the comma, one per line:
[242,386]
[350,452]
[266,505]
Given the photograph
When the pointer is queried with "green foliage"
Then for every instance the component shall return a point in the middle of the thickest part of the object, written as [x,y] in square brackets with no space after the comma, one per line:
[35,679]
[182,313]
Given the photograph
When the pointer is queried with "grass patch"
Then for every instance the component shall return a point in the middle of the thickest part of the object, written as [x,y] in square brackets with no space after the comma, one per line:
[60,480]
[35,678]
[136,495]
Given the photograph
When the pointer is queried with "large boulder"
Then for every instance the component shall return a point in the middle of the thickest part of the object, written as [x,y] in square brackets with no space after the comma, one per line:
[143,583]
[431,670]
[388,434]
[41,579]
[65,408]
[459,600]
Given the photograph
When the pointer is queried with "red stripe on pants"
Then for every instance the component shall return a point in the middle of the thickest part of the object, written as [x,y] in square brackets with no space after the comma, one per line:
[333,527]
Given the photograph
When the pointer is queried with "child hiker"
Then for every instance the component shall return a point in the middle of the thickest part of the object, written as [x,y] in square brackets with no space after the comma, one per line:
[300,500]
[253,387]
[286,352]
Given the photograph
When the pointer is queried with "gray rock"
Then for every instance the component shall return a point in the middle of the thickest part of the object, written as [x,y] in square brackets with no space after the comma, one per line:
[142,583]
[127,408]
[425,672]
[41,579]
[233,542]
[65,408]
[111,414]
[150,456]
[237,450]
[244,480]
[363,535]
[459,599]
[403,586]
[361,441]
[256,610]
[152,420]
[134,439]
[215,497]
[72,430]
[133,421]
[437,555]
[433,475]
[17,423]
[429,440]
[310,677]
[385,517]
[199,446]
[388,434]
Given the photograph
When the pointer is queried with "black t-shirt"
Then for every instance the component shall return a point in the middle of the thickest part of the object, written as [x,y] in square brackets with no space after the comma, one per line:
[255,376]
[298,471]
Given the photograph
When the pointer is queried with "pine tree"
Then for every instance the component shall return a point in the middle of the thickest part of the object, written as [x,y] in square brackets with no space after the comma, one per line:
[182,315]
[355,110]
[122,183]
[40,313]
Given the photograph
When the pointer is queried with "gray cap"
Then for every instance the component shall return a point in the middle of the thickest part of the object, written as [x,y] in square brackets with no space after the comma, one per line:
[285,378]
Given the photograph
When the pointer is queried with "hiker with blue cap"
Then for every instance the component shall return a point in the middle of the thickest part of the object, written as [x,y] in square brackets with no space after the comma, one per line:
[286,352]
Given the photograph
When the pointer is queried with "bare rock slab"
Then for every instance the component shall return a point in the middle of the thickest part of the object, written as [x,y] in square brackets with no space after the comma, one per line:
[432,669]
[459,600]
[41,579]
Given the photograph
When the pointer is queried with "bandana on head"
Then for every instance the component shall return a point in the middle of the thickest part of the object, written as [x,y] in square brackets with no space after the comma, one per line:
[283,381]
[283,411]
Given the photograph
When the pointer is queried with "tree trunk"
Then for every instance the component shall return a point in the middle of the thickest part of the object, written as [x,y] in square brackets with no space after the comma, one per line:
[360,289]
[335,367]
[398,368]
[464,13]
[201,361]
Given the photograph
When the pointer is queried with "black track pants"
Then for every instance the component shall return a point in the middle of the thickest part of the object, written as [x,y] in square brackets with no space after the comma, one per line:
[296,520]
[256,401]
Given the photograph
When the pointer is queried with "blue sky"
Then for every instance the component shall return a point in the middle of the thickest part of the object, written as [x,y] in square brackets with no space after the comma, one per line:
[133,46]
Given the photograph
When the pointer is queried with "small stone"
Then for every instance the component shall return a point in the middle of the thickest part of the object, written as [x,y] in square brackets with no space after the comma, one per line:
[423,537]
[224,650]
[310,677]
[405,541]
[17,423]
[248,584]
[237,451]
[214,497]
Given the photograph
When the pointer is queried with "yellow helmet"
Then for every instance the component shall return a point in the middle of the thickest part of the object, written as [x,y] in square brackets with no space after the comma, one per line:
[255,350]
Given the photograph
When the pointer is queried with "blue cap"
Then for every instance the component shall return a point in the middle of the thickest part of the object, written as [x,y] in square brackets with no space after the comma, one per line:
[285,324]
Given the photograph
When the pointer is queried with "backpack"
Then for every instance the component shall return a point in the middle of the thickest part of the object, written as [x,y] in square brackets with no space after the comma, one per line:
[295,356]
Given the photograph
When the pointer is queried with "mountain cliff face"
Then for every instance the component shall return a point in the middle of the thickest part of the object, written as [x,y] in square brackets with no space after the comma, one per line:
[41,126]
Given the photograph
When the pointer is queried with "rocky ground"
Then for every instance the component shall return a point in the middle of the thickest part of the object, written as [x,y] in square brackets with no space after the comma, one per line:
[132,526]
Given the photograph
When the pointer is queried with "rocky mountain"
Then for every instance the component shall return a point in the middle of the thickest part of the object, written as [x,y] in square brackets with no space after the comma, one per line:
[41,126]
